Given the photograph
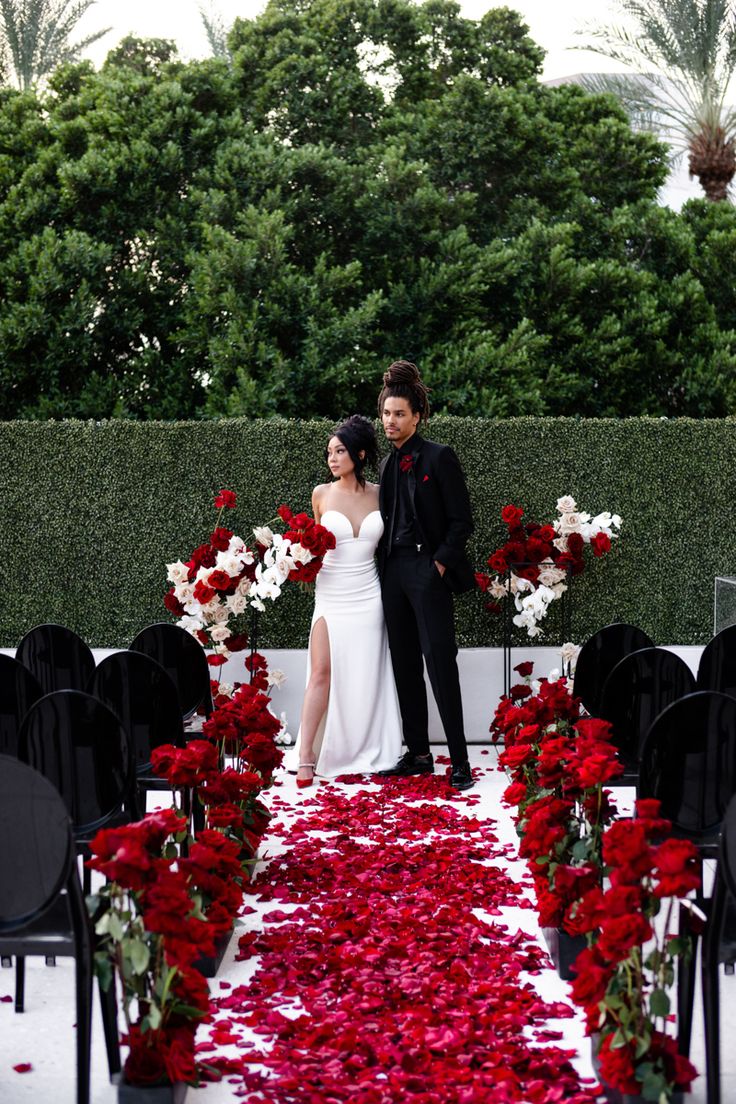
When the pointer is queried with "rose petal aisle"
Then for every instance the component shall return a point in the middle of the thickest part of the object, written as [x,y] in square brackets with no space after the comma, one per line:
[382,970]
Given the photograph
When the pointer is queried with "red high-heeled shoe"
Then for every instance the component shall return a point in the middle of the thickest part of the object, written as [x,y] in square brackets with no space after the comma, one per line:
[302,783]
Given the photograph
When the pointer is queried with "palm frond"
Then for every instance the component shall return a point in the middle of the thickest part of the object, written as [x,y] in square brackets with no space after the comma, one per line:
[216,32]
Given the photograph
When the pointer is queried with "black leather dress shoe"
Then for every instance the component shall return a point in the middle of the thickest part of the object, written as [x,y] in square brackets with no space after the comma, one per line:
[408,765]
[461,778]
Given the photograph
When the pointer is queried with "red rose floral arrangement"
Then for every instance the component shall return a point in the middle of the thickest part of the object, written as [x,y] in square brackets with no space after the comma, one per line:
[534,562]
[212,590]
[623,976]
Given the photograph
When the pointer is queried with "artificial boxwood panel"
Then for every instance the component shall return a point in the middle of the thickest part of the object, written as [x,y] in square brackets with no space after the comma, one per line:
[91,512]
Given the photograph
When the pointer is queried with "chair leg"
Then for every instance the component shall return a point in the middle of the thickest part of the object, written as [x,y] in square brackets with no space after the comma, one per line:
[711,1003]
[686,974]
[108,1004]
[84,1025]
[87,880]
[20,983]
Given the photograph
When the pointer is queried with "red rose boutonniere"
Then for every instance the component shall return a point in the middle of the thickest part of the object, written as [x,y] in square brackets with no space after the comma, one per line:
[406,463]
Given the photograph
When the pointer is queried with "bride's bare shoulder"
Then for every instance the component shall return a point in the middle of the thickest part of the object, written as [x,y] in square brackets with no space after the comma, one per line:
[319,495]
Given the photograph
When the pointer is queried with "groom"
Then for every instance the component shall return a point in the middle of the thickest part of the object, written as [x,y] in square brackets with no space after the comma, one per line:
[427,519]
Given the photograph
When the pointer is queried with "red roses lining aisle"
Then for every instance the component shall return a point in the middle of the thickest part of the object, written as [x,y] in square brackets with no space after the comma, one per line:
[382,983]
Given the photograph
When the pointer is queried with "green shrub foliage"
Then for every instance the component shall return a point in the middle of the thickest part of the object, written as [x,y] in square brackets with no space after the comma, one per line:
[91,513]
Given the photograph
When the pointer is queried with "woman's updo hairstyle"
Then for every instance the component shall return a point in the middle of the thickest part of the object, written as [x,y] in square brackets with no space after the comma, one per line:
[358,435]
[402,381]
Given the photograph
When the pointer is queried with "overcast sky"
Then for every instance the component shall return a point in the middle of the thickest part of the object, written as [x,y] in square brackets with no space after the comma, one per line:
[552,23]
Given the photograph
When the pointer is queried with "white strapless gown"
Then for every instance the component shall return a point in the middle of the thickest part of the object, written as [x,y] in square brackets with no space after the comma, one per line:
[361,729]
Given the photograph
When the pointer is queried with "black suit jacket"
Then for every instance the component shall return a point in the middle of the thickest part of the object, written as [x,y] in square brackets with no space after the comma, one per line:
[442,512]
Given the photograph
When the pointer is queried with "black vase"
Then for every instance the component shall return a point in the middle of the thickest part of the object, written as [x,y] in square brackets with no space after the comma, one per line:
[208,965]
[615,1096]
[169,1093]
[563,950]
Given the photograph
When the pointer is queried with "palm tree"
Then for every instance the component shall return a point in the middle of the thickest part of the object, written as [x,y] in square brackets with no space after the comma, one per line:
[35,35]
[684,54]
[216,31]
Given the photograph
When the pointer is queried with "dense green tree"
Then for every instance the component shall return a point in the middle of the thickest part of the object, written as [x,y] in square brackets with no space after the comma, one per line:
[364,179]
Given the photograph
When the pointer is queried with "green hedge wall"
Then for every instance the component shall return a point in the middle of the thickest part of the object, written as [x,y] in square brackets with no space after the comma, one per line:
[91,512]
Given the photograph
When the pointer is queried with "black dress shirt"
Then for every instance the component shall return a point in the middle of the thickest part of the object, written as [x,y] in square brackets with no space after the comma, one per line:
[403,528]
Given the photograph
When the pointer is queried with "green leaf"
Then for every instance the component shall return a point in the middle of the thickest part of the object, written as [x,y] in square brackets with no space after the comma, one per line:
[580,850]
[659,1003]
[103,969]
[139,956]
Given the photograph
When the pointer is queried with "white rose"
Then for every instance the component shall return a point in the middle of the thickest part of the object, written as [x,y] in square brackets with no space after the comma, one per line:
[570,523]
[236,604]
[243,587]
[276,678]
[177,572]
[229,563]
[220,633]
[569,653]
[566,505]
[191,624]
[184,592]
[550,575]
[263,535]
[300,554]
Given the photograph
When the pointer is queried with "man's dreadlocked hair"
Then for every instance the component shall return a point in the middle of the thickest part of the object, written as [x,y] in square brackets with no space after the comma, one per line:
[402,381]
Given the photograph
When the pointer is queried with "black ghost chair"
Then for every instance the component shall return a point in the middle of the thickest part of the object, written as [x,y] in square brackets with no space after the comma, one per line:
[58,658]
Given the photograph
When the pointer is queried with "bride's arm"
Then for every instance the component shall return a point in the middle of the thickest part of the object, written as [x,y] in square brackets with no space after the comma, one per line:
[317,498]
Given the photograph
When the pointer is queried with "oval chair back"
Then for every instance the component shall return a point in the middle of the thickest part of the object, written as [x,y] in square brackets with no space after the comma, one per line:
[599,655]
[638,688]
[184,660]
[19,690]
[688,762]
[80,745]
[717,667]
[57,657]
[144,698]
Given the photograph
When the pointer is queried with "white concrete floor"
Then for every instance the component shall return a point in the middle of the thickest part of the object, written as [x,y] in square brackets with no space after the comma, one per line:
[44,1034]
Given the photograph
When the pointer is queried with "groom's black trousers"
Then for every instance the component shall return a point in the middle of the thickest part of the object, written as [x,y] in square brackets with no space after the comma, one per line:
[420,621]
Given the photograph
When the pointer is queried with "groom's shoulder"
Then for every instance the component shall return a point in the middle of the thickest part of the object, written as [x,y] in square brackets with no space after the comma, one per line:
[435,450]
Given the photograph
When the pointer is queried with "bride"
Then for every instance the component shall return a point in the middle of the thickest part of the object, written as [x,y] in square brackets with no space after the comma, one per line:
[350,720]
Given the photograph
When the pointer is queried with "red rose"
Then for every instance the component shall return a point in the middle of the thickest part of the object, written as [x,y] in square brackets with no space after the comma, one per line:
[285,514]
[482,581]
[676,862]
[515,793]
[521,690]
[619,934]
[524,669]
[204,556]
[600,543]
[216,660]
[225,499]
[545,533]
[144,1064]
[220,539]
[511,515]
[173,605]
[220,580]
[498,563]
[617,1066]
[203,593]
[575,544]
[238,642]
